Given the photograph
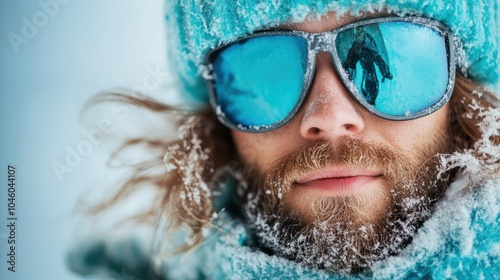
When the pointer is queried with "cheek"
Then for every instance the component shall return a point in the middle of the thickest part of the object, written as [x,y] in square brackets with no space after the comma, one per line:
[248,146]
[413,135]
[260,149]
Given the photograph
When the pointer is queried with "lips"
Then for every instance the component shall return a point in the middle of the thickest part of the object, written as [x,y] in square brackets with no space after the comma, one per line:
[339,180]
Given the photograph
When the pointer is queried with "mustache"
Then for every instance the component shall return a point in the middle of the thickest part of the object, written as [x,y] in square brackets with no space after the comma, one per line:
[349,152]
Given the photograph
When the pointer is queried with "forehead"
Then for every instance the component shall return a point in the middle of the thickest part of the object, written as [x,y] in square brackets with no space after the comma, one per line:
[330,21]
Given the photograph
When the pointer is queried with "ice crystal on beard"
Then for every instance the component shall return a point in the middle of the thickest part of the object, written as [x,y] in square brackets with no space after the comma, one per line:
[189,159]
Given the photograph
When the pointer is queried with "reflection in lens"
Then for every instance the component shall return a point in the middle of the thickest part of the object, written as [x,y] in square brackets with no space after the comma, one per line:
[258,81]
[398,67]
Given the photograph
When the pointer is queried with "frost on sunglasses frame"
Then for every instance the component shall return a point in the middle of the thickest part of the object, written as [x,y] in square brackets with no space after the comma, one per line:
[326,42]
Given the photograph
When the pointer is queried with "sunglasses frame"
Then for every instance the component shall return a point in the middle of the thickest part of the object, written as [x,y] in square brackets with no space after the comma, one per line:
[325,42]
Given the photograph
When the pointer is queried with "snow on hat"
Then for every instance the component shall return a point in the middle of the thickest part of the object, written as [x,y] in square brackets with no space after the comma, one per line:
[194,27]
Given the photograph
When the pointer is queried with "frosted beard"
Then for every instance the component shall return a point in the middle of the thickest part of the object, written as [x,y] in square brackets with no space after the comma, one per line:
[350,233]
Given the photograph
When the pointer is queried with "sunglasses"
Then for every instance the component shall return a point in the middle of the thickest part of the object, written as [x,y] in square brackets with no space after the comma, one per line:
[398,68]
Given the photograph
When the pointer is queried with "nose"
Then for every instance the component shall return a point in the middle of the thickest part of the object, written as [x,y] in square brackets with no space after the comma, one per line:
[329,111]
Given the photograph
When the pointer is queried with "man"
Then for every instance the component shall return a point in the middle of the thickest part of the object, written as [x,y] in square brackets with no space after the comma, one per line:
[294,173]
[365,51]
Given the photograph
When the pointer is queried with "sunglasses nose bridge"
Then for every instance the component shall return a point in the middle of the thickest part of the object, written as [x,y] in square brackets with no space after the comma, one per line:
[323,42]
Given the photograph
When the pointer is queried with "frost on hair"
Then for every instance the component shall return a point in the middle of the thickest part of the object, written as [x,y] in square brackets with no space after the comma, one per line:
[188,181]
[476,126]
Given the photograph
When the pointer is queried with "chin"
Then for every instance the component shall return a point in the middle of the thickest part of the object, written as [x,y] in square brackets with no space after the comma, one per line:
[340,233]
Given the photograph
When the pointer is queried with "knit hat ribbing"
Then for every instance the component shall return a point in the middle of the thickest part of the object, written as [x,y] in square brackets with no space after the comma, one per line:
[194,27]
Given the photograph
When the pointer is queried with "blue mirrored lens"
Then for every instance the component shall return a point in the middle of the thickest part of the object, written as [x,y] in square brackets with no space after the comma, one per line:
[258,81]
[398,67]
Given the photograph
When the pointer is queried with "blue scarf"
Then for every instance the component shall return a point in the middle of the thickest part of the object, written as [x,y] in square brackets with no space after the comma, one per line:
[461,240]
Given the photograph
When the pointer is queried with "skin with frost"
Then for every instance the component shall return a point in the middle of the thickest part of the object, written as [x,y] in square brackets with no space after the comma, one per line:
[346,188]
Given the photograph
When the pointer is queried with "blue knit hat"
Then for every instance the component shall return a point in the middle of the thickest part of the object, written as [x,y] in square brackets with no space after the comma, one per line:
[194,27]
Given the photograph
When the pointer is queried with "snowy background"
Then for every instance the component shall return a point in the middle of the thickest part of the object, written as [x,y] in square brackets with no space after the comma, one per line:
[55,55]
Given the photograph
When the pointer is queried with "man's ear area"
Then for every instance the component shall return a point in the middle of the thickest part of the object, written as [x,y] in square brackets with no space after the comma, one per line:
[468,101]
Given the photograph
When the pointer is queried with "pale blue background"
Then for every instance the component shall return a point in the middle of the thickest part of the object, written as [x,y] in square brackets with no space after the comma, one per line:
[86,47]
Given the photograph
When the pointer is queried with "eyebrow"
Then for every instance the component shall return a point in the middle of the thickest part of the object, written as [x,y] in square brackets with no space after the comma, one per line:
[289,26]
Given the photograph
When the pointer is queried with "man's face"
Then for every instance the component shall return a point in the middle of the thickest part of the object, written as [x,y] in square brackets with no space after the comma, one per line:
[338,187]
